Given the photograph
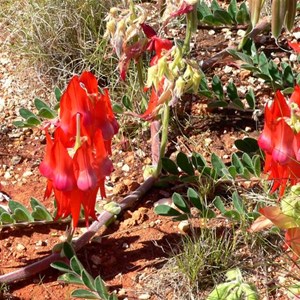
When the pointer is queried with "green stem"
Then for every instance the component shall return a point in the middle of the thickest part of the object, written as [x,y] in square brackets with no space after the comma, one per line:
[188,33]
[164,138]
[139,67]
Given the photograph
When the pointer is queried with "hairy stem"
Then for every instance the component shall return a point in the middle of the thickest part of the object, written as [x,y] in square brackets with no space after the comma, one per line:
[164,137]
[103,218]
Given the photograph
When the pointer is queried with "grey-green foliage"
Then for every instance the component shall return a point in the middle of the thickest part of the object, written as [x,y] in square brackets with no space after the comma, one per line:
[75,273]
[230,98]
[18,213]
[215,15]
[44,112]
[234,288]
[193,170]
[277,76]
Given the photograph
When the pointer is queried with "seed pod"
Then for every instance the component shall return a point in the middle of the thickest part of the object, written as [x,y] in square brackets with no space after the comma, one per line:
[255,7]
[278,15]
[291,9]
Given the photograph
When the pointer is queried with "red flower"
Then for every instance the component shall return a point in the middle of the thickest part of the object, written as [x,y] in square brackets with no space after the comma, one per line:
[185,8]
[76,160]
[281,142]
[295,46]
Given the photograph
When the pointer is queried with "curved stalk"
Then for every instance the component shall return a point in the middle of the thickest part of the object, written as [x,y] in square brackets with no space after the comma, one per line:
[164,138]
[103,218]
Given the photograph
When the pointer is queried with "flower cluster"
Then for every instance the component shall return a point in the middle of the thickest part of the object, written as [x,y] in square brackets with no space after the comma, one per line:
[76,160]
[280,140]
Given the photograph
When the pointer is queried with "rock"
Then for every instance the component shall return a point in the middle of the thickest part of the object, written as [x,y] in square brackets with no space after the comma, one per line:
[41,243]
[184,226]
[125,168]
[15,160]
[7,175]
[20,247]
[144,296]
[27,173]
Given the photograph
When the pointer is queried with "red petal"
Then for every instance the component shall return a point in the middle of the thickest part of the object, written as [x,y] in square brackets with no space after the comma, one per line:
[283,138]
[85,173]
[295,97]
[295,46]
[90,82]
[184,9]
[148,30]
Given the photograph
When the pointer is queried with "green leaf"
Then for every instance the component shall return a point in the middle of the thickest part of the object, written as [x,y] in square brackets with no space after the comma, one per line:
[250,98]
[223,16]
[166,210]
[20,212]
[221,291]
[76,265]
[238,203]
[203,10]
[21,215]
[33,121]
[240,56]
[25,113]
[198,161]
[5,218]
[180,203]
[117,109]
[194,198]
[41,214]
[217,87]
[214,5]
[217,163]
[61,266]
[232,91]
[247,162]
[237,163]
[232,214]
[58,94]
[242,16]
[248,145]
[219,204]
[39,104]
[47,113]
[19,124]
[233,9]
[127,102]
[169,166]
[68,251]
[88,280]
[184,163]
[101,288]
[288,76]
[257,165]
[85,294]
[232,171]
[263,64]
[70,278]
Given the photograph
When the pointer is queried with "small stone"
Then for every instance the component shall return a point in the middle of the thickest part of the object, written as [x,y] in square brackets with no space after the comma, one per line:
[144,296]
[228,69]
[184,226]
[125,246]
[20,247]
[211,32]
[248,129]
[7,175]
[41,243]
[208,141]
[15,160]
[293,57]
[240,32]
[125,168]
[27,173]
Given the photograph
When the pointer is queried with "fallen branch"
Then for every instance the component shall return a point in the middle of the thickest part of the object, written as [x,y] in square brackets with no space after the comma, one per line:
[103,218]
